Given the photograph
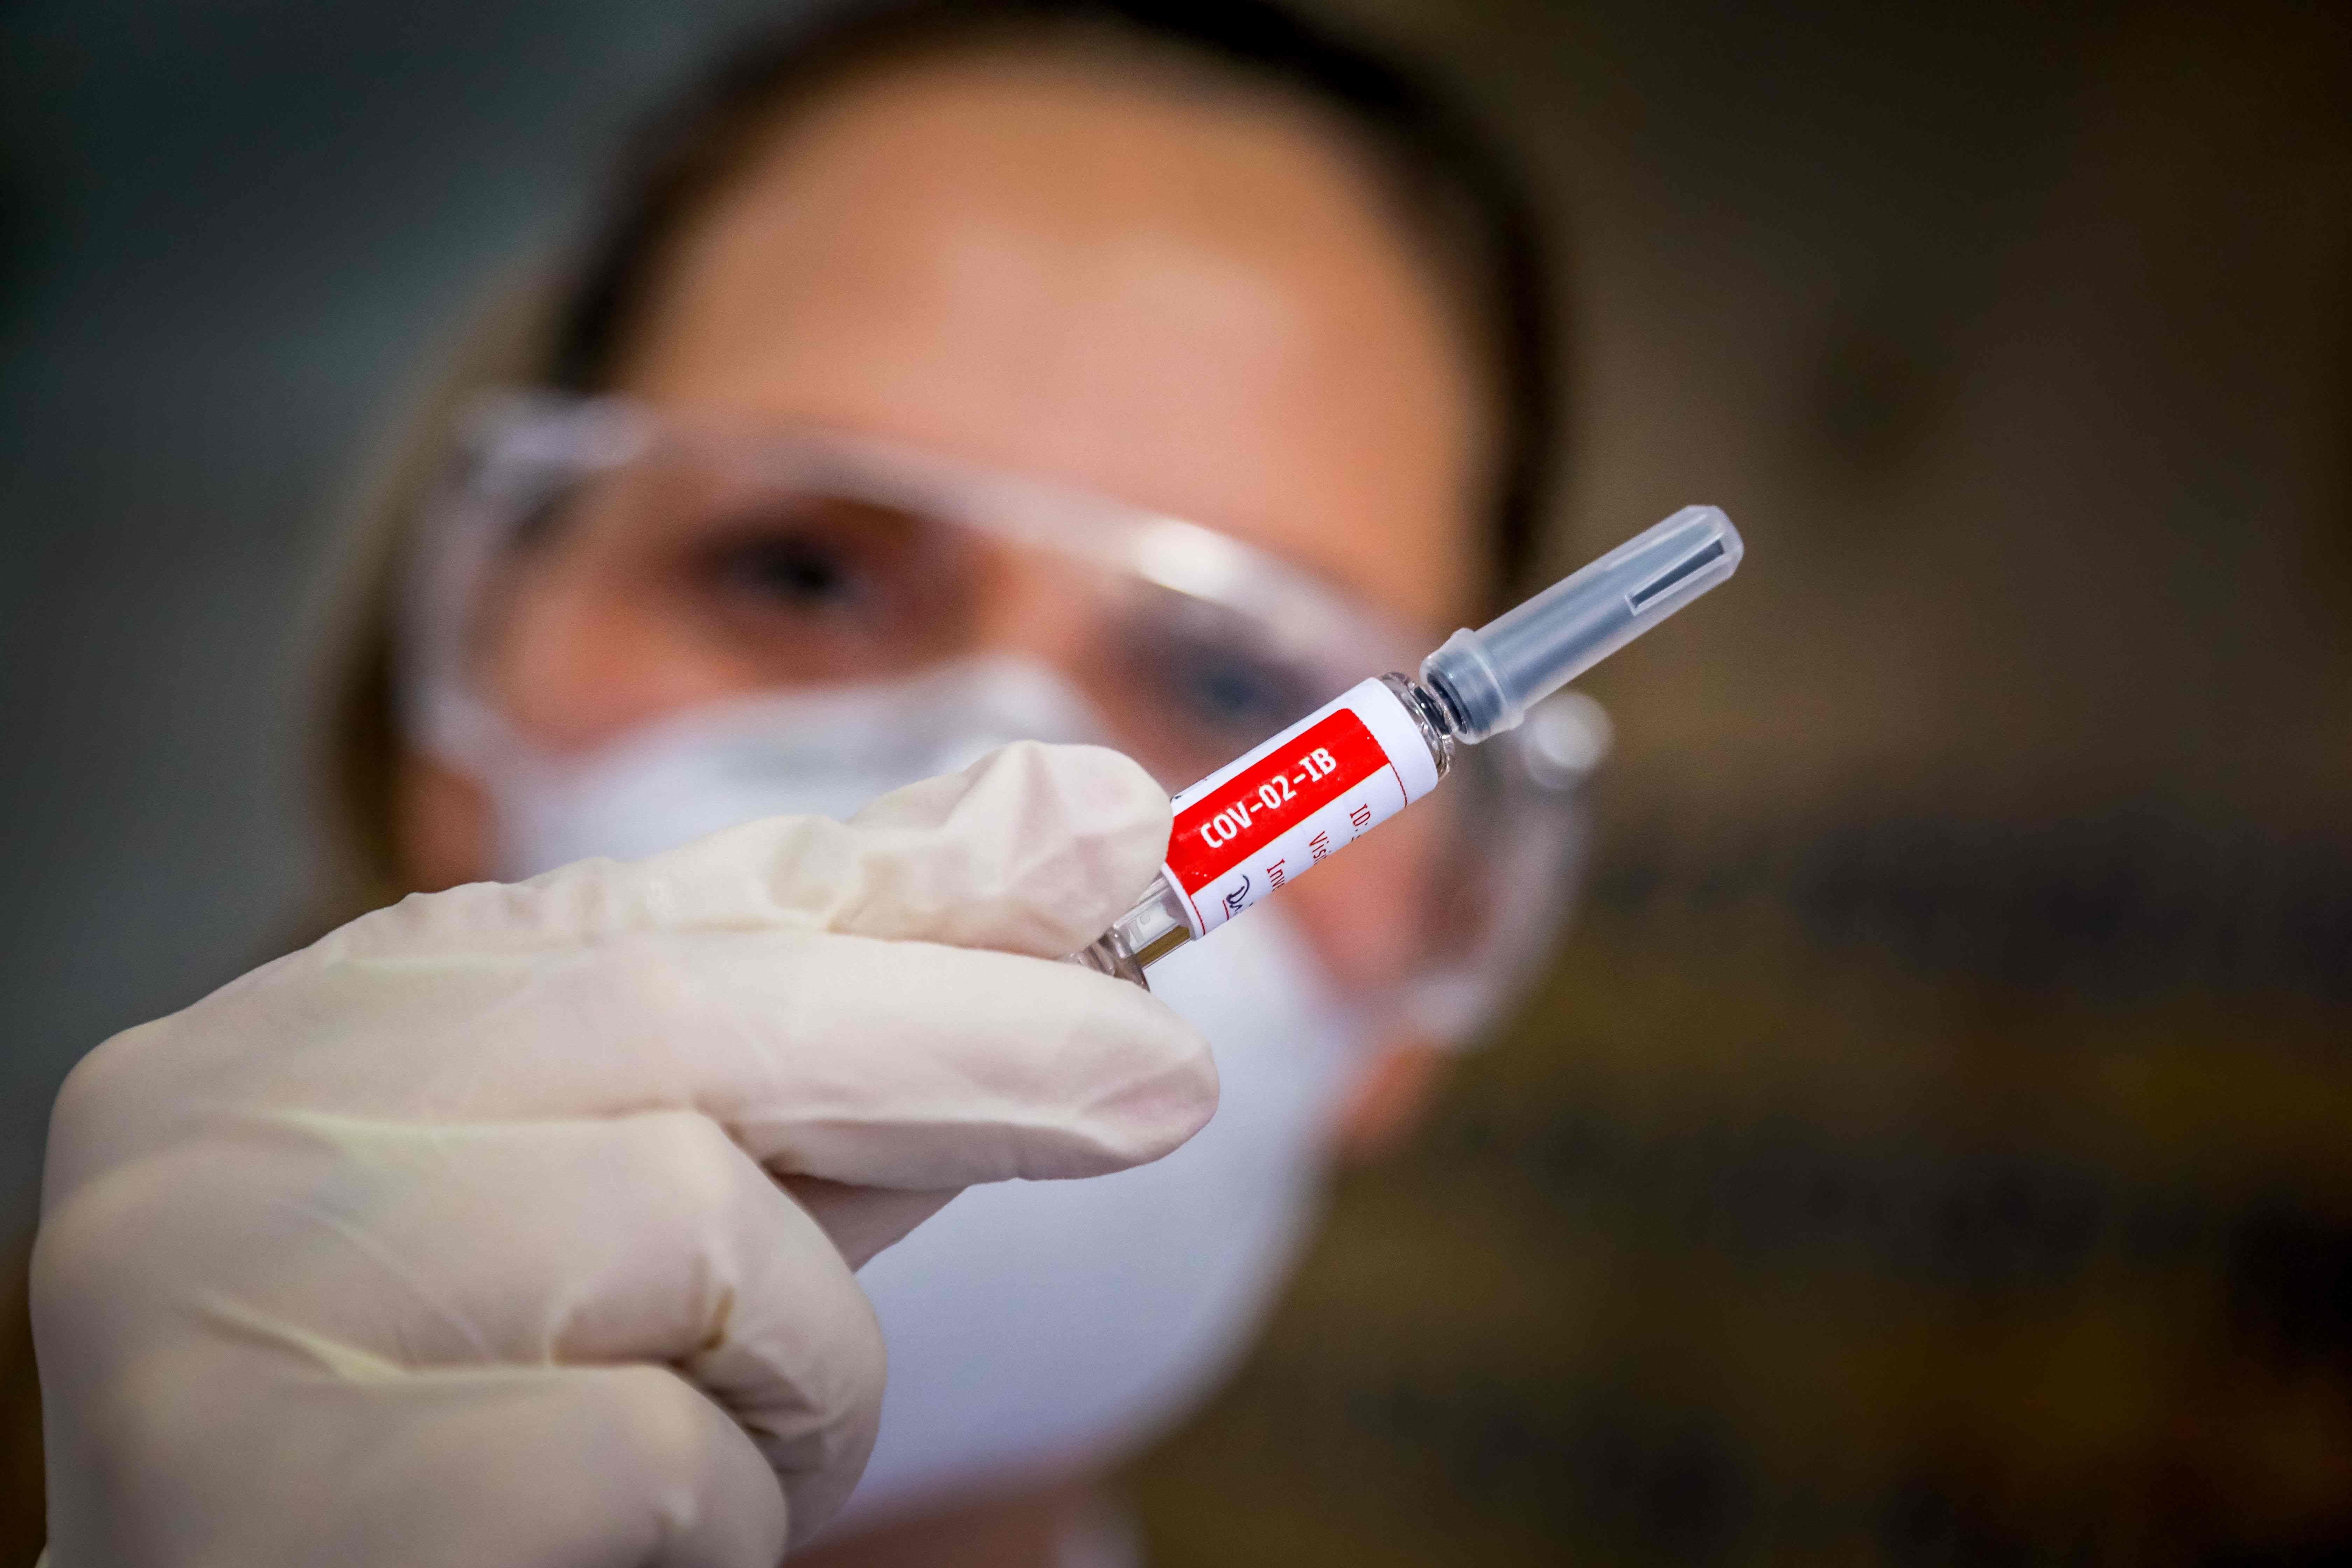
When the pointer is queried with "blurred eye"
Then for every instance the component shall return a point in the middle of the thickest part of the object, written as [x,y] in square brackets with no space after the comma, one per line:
[1232,691]
[815,557]
[798,571]
[1207,676]
[818,587]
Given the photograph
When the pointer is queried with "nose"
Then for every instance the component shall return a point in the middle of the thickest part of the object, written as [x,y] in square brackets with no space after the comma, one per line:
[1028,606]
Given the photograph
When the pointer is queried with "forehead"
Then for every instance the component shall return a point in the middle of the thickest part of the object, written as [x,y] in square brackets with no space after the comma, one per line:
[1194,301]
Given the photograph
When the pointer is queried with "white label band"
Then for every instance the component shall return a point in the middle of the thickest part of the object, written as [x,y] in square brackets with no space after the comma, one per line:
[1281,809]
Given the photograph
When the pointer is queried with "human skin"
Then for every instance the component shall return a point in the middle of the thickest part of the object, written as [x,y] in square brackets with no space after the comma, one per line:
[1193,300]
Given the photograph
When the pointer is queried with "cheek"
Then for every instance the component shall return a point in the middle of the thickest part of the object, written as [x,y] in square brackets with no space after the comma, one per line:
[441,825]
[588,649]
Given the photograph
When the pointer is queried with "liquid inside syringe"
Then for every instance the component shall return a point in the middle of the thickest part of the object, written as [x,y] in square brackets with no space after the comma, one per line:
[1279,810]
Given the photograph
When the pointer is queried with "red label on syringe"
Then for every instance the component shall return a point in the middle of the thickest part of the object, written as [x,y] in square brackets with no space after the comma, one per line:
[1271,815]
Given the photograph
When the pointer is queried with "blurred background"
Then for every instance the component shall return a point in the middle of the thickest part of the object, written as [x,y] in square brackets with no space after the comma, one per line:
[1933,1144]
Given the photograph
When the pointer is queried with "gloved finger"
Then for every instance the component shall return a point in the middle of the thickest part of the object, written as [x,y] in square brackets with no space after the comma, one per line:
[647,1239]
[1032,849]
[652,1473]
[864,1221]
[887,1064]
[541,1466]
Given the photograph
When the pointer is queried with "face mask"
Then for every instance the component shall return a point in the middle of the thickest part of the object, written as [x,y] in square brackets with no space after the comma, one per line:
[820,754]
[1034,1329]
[1039,1330]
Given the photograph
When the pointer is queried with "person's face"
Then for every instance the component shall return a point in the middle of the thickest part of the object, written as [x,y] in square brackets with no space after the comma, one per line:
[1190,302]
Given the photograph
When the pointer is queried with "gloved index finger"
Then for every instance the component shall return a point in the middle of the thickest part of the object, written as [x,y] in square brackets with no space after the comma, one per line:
[910,1066]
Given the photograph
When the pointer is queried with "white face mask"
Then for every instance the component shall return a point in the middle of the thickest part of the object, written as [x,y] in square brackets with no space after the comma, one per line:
[1038,1329]
[823,752]
[1034,1329]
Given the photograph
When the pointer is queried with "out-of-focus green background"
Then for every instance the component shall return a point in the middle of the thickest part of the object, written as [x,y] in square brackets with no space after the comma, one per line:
[1933,1144]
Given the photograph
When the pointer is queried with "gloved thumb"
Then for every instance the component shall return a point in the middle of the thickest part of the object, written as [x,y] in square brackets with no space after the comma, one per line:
[1033,850]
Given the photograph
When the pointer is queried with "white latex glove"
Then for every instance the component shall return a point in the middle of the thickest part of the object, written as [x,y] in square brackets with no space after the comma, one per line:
[459,1238]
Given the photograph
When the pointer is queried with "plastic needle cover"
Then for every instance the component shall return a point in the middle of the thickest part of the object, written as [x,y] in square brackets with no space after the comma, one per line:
[1491,676]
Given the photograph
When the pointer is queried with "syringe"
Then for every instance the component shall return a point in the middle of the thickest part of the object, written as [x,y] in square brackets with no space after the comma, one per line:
[1279,810]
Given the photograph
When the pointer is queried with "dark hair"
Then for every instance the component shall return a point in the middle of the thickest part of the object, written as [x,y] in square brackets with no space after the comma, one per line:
[1456,188]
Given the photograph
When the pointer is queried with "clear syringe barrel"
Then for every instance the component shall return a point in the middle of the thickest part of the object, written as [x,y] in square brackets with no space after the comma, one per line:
[1283,807]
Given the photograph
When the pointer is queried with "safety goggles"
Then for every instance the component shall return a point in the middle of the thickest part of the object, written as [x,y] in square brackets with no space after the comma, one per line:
[812,559]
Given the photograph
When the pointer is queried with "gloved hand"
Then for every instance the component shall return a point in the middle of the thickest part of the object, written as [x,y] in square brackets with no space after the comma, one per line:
[458,1236]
